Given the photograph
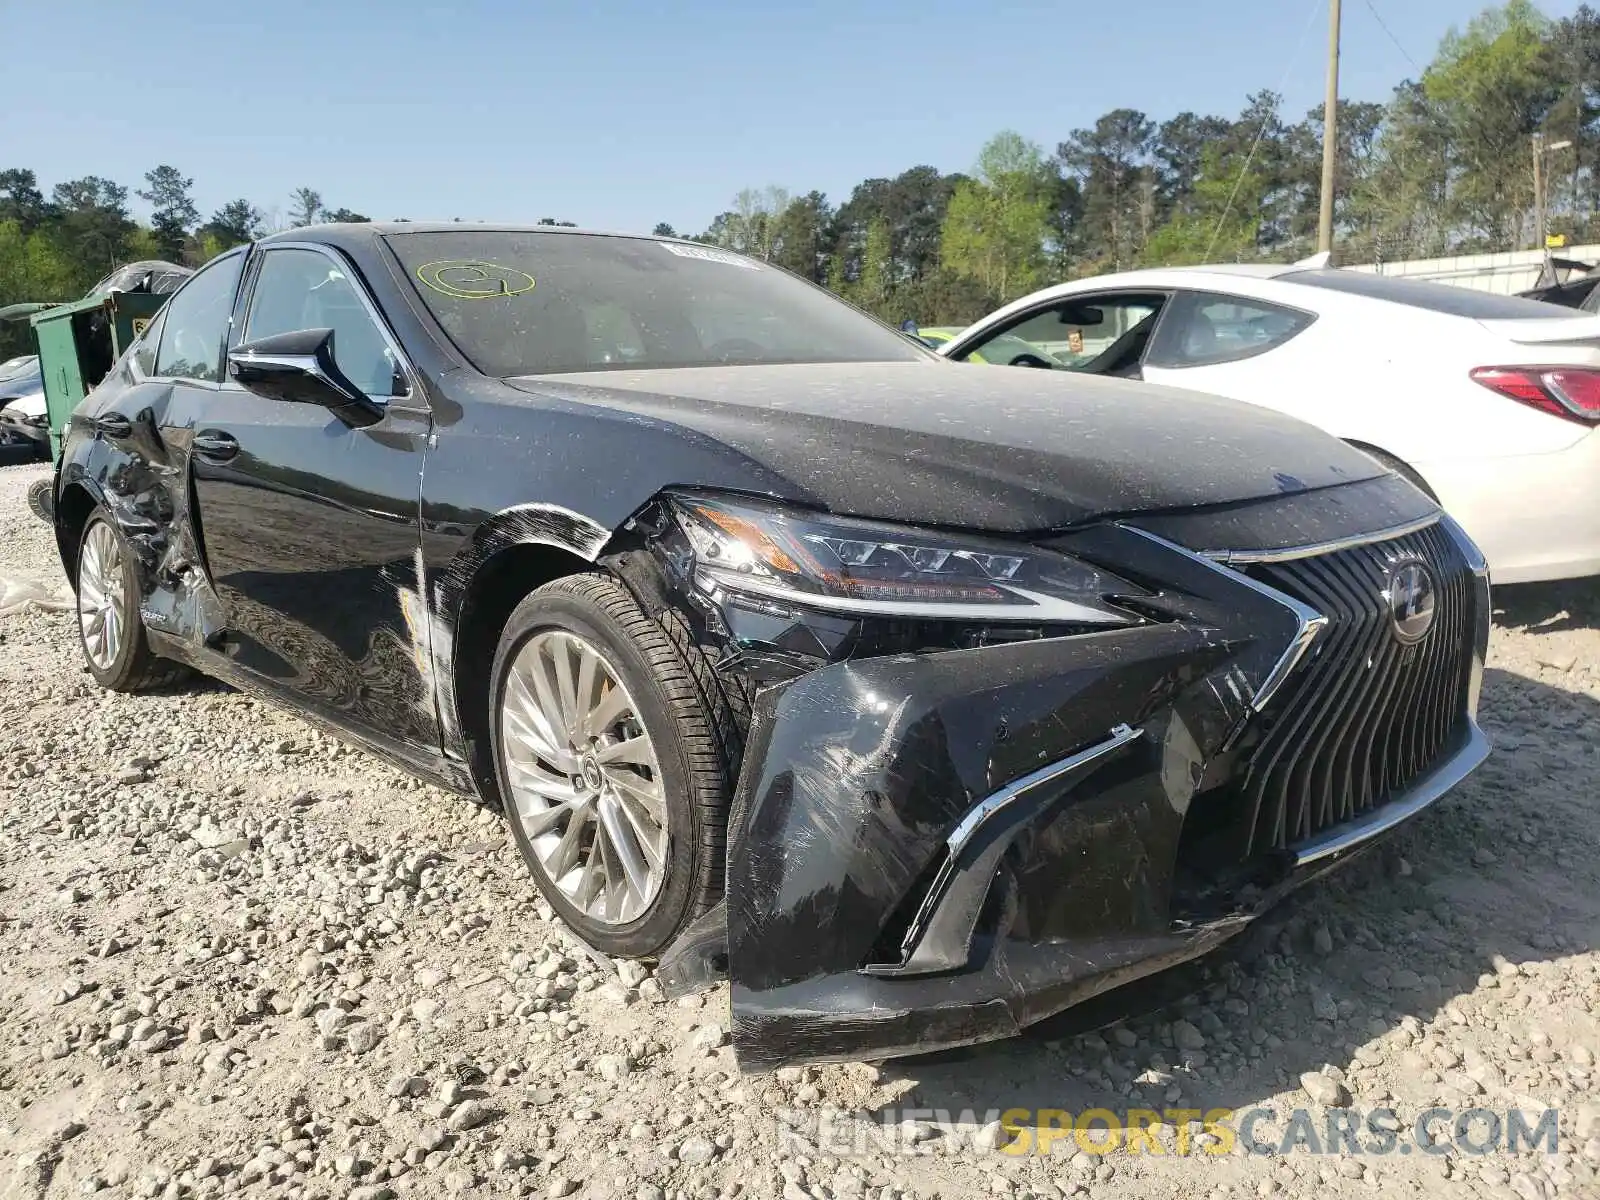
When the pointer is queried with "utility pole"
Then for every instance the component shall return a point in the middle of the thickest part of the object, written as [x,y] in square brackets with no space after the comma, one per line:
[1330,134]
[1541,218]
[1538,195]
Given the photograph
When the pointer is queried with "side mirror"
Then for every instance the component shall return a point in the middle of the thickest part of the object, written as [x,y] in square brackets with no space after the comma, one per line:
[299,368]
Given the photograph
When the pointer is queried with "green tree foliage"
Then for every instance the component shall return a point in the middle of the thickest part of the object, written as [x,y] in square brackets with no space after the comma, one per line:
[91,227]
[997,222]
[20,199]
[800,235]
[344,216]
[1445,166]
[167,191]
[235,223]
[305,207]
[1491,88]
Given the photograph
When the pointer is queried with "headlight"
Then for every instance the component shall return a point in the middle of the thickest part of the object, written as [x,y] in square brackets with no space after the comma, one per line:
[864,567]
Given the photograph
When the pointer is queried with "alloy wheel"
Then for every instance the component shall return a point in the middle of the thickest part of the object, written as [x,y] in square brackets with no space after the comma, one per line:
[585,779]
[100,615]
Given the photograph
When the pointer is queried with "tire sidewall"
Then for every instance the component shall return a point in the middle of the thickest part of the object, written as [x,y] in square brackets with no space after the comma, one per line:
[669,911]
[122,666]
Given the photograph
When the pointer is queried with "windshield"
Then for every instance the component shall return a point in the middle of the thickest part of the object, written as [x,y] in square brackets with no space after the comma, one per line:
[530,303]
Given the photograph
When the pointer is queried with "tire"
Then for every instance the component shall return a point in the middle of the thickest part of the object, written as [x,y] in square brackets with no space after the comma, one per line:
[123,663]
[674,700]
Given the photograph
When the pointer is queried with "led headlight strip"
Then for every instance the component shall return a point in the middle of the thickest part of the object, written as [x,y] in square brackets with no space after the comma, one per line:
[845,565]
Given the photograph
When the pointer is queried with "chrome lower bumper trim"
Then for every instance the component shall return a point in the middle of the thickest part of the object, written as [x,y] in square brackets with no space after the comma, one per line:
[1469,752]
[984,810]
[940,934]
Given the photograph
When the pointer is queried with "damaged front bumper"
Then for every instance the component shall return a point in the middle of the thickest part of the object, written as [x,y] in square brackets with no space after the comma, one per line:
[931,850]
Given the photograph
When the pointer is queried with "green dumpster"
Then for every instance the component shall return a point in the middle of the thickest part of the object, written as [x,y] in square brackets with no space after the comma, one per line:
[78,343]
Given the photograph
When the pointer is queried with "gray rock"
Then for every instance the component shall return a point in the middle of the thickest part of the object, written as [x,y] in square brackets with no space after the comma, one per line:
[697,1150]
[990,1137]
[1325,1090]
[407,1085]
[469,1115]
[709,1037]
[431,1137]
[612,1067]
[1186,1037]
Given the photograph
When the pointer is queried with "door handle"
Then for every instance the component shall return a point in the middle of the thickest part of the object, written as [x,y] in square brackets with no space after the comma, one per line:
[113,425]
[215,445]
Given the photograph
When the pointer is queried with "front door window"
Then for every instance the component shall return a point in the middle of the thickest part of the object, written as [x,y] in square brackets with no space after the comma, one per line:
[1097,335]
[305,289]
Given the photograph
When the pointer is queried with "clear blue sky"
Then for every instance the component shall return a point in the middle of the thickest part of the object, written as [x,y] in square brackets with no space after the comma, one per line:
[618,115]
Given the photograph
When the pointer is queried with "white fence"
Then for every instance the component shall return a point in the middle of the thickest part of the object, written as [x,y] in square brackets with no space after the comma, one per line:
[1508,273]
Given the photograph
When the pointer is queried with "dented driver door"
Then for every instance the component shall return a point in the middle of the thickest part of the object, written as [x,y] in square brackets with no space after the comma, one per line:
[310,524]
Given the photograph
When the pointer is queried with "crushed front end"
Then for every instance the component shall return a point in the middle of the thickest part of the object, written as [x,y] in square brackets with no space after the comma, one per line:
[946,829]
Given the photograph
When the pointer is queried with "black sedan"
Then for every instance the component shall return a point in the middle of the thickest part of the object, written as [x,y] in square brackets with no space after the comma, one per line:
[921,700]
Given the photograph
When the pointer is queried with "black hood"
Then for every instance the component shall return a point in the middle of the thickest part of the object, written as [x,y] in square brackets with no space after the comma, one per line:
[997,448]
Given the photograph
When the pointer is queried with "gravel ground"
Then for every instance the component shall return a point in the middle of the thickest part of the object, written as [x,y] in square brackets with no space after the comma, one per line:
[239,956]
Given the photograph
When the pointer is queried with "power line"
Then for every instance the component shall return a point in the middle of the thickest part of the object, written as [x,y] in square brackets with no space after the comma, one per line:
[1392,38]
[1288,66]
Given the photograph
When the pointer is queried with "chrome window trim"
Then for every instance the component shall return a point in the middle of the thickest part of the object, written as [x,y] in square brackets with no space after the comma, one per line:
[1311,622]
[1288,554]
[353,276]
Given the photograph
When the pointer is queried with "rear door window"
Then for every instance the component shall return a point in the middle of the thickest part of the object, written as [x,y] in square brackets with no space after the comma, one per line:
[1206,328]
[196,320]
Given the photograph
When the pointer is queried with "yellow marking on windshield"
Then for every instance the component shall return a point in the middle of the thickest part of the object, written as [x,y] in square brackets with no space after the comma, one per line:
[467,279]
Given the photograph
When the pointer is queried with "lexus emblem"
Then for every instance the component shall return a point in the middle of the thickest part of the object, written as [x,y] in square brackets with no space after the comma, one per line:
[1411,595]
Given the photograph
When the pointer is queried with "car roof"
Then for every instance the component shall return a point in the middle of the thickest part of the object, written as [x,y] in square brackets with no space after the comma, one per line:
[350,233]
[1167,276]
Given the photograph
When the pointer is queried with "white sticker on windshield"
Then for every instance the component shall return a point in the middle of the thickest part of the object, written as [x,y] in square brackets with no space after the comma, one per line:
[709,254]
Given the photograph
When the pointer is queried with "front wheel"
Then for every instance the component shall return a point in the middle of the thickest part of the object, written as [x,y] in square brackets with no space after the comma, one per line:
[114,645]
[616,789]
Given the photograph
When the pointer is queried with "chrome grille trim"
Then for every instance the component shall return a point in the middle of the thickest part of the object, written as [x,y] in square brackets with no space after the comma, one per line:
[1234,558]
[1311,623]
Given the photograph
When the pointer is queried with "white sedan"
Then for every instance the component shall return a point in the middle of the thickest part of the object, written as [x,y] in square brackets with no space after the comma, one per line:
[1489,403]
